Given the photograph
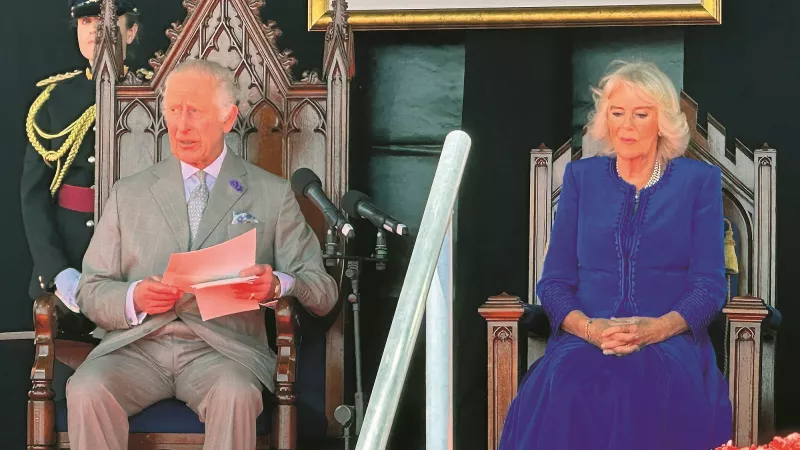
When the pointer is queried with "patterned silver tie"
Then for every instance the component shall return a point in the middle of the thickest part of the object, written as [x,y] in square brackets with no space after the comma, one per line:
[197,204]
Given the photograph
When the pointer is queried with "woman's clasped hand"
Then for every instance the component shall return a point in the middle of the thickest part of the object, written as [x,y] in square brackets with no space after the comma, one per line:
[623,336]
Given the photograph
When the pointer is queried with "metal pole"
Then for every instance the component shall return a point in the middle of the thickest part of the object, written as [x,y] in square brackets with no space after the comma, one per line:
[439,353]
[411,304]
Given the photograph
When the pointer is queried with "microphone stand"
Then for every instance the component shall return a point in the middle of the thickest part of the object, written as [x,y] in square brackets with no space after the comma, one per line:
[353,273]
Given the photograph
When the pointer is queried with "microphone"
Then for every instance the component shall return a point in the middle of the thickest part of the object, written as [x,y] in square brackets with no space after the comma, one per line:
[306,183]
[357,204]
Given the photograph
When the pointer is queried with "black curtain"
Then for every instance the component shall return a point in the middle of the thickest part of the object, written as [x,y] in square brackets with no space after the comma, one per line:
[517,95]
[745,73]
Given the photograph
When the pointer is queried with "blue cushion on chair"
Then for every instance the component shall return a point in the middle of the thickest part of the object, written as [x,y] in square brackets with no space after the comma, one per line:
[169,416]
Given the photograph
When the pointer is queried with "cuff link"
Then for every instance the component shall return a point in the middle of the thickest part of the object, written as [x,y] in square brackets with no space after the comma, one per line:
[41,282]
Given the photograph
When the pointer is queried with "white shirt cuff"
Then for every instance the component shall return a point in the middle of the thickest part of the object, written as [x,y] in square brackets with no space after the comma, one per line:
[130,311]
[287,281]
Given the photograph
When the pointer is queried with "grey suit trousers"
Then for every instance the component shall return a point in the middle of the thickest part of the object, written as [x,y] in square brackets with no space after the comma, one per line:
[171,362]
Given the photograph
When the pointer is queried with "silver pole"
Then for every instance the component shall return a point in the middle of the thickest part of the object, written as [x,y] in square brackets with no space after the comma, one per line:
[439,352]
[411,304]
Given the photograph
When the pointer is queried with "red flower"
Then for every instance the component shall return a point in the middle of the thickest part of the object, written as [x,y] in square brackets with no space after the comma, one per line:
[791,442]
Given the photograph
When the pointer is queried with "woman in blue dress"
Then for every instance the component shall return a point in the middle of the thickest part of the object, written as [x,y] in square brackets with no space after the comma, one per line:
[633,276]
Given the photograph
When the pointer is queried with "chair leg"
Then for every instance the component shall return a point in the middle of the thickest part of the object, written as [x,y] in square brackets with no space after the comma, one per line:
[745,315]
[41,409]
[41,417]
[284,419]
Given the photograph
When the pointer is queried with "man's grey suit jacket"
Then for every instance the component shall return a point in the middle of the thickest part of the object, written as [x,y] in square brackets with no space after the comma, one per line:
[145,220]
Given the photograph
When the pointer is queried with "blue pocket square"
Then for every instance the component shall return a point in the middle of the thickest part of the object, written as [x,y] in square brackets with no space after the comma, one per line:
[243,218]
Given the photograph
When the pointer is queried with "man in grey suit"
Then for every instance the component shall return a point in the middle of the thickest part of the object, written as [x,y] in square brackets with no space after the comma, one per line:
[157,346]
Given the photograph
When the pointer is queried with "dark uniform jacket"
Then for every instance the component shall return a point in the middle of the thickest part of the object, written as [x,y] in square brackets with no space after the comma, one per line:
[58,237]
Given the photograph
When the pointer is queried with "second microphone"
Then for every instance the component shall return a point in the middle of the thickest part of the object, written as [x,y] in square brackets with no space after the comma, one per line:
[358,204]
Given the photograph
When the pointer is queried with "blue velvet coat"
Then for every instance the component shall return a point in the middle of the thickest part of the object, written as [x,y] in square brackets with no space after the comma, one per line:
[609,257]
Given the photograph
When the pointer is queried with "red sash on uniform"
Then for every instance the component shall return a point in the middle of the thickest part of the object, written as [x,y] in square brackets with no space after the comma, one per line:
[76,198]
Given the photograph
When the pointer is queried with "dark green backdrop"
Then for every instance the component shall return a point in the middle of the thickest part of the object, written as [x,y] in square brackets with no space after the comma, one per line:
[510,89]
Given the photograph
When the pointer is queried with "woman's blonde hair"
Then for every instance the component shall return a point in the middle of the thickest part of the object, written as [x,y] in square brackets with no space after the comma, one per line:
[649,80]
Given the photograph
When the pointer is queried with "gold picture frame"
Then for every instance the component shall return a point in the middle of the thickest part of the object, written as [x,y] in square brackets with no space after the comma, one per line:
[656,12]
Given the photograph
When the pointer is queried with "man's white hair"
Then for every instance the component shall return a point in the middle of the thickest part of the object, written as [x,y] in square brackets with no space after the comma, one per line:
[227,91]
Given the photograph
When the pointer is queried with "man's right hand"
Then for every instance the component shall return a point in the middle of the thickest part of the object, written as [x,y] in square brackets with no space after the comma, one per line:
[154,297]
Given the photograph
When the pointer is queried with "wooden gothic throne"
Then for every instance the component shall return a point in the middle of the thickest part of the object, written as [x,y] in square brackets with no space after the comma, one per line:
[744,340]
[284,124]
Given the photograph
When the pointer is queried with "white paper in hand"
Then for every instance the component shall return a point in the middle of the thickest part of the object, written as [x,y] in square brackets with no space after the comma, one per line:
[225,282]
[213,273]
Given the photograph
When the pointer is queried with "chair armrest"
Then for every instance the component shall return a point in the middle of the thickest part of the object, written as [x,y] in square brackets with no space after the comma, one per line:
[45,326]
[284,419]
[286,343]
[41,410]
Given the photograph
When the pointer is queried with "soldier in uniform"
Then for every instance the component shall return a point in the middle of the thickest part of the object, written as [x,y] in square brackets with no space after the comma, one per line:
[58,174]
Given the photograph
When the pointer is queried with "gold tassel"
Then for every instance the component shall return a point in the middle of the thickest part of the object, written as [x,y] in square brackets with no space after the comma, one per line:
[731,262]
[731,268]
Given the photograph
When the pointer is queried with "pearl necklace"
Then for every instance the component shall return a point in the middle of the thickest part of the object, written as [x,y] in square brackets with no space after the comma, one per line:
[656,175]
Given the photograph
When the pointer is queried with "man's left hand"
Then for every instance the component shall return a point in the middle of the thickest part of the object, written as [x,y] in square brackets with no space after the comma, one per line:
[631,334]
[260,289]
